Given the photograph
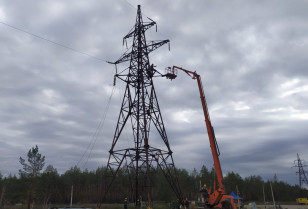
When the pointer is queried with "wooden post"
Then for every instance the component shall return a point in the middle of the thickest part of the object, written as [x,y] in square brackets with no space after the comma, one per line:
[264,196]
[273,195]
[238,198]
[72,189]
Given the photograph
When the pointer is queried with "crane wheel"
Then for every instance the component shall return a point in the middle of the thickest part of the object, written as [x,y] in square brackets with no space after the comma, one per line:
[226,204]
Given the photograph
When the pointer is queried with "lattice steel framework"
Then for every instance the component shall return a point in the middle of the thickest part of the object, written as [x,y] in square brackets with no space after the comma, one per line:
[301,172]
[140,107]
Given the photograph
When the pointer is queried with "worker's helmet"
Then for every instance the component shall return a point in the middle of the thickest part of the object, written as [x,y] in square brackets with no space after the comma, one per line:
[204,186]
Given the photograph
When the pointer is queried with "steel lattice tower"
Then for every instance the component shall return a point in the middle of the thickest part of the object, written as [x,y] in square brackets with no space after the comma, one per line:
[140,107]
[301,172]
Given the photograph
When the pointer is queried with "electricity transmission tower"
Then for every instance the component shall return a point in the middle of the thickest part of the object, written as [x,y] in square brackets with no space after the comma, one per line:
[301,172]
[141,110]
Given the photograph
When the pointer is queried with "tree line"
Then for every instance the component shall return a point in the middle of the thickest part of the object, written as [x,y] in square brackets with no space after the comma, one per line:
[49,187]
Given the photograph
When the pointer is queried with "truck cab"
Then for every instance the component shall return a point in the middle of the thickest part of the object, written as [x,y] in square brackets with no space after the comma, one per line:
[302,201]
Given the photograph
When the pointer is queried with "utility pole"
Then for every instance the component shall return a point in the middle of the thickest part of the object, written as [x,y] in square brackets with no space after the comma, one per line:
[238,198]
[273,195]
[264,196]
[72,190]
[140,108]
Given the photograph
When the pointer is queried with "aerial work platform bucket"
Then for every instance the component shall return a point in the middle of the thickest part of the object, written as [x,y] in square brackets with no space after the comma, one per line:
[171,73]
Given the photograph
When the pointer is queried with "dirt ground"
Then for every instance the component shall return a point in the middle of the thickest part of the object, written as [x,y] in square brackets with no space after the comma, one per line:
[282,207]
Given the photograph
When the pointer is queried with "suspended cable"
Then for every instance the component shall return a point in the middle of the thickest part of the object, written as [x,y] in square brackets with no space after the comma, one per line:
[101,128]
[130,4]
[53,42]
[96,133]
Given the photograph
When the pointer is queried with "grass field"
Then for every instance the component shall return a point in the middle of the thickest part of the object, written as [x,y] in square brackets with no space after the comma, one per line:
[131,206]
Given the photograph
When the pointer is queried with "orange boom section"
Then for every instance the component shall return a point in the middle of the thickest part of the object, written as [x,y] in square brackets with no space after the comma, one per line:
[218,197]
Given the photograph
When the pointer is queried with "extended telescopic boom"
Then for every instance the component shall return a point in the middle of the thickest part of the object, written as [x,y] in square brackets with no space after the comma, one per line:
[217,197]
[209,127]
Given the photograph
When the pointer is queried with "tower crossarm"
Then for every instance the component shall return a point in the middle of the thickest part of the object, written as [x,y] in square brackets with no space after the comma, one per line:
[143,28]
[149,48]
[156,44]
[126,57]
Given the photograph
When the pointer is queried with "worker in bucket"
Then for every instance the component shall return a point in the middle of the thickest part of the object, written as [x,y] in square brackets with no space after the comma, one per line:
[125,203]
[204,193]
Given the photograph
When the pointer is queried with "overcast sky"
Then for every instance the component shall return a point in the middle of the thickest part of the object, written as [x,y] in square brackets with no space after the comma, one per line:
[251,55]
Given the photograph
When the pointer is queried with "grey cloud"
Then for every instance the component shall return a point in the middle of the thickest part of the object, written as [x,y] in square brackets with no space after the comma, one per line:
[251,57]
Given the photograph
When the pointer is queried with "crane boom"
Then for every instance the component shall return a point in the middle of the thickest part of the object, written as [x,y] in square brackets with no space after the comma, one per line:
[217,198]
[209,127]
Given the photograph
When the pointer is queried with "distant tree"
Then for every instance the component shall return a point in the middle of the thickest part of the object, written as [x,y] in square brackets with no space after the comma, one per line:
[35,163]
[232,182]
[256,183]
[194,173]
[49,184]
[50,169]
[205,176]
[3,190]
[32,170]
[15,190]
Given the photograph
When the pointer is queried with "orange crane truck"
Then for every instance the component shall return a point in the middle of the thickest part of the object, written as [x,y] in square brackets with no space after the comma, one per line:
[217,199]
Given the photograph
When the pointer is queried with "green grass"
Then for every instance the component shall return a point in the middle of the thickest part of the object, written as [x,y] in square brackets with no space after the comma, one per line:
[159,205]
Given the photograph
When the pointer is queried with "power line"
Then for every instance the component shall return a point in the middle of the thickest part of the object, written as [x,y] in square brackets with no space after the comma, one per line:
[53,42]
[96,134]
[100,128]
[130,4]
